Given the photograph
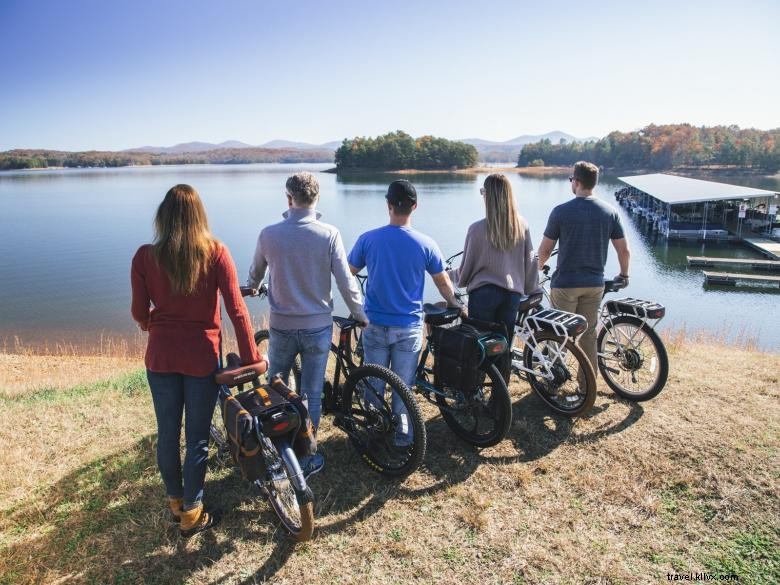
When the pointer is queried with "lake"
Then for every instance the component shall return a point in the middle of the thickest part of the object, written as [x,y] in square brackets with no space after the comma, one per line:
[69,235]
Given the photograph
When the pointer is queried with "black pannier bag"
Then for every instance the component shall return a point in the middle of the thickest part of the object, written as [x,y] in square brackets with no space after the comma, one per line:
[460,351]
[242,439]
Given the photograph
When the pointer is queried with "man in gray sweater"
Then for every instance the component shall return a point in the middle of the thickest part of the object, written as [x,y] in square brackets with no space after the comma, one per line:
[301,253]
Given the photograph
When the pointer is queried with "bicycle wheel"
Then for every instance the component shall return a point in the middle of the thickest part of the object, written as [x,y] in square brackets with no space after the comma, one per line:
[219,453]
[295,508]
[481,417]
[563,392]
[380,435]
[261,340]
[632,359]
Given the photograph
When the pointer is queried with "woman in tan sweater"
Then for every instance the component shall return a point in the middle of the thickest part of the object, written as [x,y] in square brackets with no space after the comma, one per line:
[498,266]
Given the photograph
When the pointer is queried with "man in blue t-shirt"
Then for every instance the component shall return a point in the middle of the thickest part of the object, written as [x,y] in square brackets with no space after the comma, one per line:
[397,258]
[583,228]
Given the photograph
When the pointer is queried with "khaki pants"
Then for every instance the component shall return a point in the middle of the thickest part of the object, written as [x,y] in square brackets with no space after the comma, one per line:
[584,301]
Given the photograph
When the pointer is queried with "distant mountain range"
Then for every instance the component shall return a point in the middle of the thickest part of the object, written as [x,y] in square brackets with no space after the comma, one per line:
[509,150]
[189,147]
[488,149]
[554,136]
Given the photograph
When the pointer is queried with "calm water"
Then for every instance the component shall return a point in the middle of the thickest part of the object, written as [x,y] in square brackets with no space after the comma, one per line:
[68,237]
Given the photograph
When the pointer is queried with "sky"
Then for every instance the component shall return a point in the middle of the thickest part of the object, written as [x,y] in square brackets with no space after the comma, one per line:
[109,75]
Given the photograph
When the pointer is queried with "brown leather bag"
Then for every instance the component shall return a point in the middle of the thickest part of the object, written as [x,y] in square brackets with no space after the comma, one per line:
[242,439]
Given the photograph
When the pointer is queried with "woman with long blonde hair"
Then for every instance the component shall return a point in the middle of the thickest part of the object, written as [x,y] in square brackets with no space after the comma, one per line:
[498,266]
[176,283]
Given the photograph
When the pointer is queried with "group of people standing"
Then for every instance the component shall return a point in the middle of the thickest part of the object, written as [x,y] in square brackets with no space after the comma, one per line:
[176,281]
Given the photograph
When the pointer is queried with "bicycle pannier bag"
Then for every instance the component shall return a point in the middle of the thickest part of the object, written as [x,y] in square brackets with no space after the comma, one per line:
[281,412]
[242,439]
[460,350]
[305,442]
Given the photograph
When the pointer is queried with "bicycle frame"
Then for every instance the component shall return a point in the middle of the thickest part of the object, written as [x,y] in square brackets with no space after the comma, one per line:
[555,353]
[344,364]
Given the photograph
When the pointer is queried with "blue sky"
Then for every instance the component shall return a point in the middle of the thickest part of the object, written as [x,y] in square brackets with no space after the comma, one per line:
[85,74]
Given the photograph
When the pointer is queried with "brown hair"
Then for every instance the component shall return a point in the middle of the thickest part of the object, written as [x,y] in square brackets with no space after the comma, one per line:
[505,227]
[183,245]
[586,173]
[304,188]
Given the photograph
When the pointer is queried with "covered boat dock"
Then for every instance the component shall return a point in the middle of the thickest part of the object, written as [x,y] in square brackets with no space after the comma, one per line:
[693,209]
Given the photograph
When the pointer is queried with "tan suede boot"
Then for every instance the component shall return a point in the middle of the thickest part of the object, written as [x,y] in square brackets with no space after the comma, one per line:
[175,505]
[196,520]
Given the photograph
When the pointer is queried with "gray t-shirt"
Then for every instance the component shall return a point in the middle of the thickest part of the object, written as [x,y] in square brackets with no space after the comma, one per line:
[583,227]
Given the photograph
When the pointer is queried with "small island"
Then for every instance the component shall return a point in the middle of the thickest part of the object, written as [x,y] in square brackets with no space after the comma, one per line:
[398,151]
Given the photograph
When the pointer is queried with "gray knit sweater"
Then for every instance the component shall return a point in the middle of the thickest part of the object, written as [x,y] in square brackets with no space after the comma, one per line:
[300,254]
[516,270]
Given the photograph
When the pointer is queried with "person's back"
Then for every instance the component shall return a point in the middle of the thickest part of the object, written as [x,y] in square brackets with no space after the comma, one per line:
[301,253]
[175,285]
[299,277]
[497,267]
[584,228]
[397,258]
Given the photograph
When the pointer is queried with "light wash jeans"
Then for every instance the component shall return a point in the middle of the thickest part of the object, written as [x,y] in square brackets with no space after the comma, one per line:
[399,349]
[313,346]
[196,397]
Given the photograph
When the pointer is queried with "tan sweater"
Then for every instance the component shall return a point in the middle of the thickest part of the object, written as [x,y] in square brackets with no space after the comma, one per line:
[516,270]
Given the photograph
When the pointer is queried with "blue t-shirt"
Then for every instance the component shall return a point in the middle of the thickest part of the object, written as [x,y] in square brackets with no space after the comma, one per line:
[583,227]
[397,259]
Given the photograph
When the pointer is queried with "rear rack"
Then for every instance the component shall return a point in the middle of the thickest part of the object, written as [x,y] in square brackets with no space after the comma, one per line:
[636,307]
[562,323]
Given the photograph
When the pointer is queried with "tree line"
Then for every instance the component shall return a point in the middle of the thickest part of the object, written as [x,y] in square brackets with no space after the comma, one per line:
[41,159]
[665,147]
[398,150]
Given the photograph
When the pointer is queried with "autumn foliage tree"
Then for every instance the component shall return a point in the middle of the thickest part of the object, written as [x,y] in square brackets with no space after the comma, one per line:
[667,147]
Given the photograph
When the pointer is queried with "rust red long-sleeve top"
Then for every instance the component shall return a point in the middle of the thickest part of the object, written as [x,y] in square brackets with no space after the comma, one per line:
[184,330]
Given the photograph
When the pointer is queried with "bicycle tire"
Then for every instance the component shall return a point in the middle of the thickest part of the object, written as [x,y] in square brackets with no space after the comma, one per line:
[281,495]
[294,383]
[549,391]
[372,429]
[499,402]
[630,362]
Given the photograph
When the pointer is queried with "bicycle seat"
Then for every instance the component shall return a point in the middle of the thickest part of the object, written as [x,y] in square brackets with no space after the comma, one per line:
[345,323]
[436,315]
[528,302]
[235,375]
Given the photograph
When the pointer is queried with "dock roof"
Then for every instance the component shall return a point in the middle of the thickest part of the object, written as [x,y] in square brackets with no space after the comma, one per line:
[677,190]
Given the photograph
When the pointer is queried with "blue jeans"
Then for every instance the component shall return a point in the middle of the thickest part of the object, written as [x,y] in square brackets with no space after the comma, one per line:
[173,394]
[313,346]
[499,305]
[399,349]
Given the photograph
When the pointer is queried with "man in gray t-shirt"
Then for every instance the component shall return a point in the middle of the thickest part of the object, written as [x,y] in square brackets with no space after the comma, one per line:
[583,228]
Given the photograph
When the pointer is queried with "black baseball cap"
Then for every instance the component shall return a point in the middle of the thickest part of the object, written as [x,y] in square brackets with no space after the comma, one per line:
[401,193]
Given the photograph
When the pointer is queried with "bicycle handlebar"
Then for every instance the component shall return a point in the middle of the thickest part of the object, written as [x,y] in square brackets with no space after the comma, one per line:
[261,291]
[611,286]
[448,261]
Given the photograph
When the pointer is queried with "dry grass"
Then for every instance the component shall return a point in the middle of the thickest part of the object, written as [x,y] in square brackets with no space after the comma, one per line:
[686,482]
[21,373]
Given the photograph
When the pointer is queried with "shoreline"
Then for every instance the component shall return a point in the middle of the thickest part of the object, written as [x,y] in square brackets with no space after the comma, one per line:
[560,171]
[549,171]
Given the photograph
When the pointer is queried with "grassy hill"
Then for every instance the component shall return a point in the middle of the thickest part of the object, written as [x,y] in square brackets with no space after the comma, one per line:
[687,482]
